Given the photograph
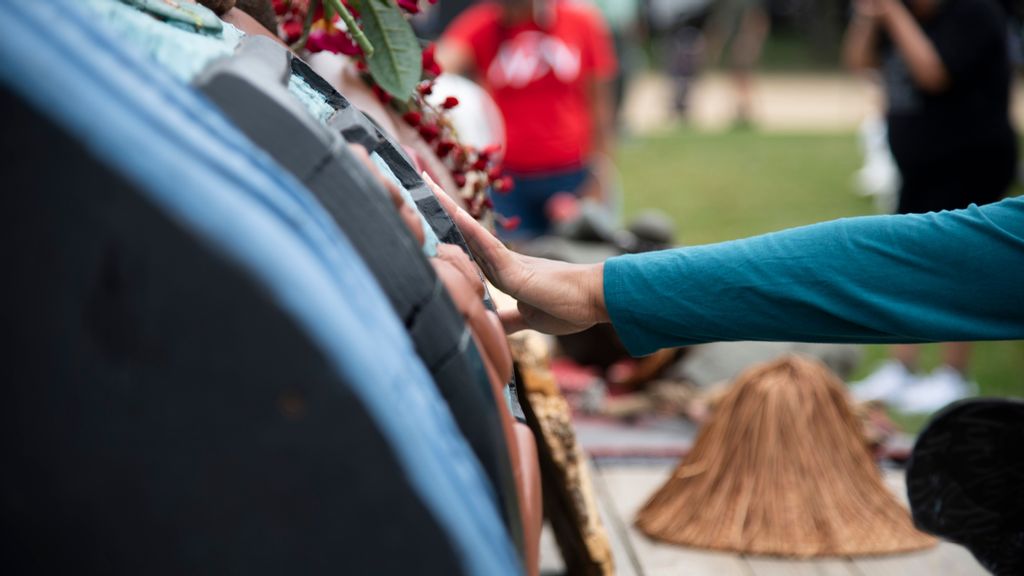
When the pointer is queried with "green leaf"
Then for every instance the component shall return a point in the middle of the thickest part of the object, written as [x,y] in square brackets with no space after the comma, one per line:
[397,63]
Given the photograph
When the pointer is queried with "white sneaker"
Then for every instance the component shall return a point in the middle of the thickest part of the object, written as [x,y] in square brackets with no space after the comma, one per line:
[886,383]
[934,391]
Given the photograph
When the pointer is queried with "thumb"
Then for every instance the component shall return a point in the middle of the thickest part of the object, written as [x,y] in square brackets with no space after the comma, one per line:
[542,321]
[512,320]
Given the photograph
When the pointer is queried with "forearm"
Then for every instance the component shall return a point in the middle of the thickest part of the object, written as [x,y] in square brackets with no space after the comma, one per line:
[859,44]
[564,290]
[916,49]
[915,278]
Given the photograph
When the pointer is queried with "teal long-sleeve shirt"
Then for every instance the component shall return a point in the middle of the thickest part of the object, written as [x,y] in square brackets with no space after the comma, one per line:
[935,277]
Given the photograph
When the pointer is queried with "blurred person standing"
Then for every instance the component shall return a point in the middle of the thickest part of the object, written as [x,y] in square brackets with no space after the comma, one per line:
[742,26]
[622,17]
[549,65]
[946,70]
[685,44]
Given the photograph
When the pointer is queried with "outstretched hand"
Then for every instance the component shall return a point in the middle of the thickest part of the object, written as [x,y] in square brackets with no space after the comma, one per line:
[553,297]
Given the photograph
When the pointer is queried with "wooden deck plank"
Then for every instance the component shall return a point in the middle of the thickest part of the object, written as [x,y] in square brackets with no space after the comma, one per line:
[551,563]
[946,559]
[782,567]
[959,561]
[628,489]
[625,557]
[896,481]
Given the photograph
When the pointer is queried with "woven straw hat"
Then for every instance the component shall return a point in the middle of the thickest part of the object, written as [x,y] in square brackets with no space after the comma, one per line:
[782,469]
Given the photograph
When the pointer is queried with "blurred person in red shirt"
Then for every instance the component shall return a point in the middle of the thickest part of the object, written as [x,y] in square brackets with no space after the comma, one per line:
[549,65]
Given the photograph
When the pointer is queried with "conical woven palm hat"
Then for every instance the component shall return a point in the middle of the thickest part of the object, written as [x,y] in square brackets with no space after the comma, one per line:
[782,469]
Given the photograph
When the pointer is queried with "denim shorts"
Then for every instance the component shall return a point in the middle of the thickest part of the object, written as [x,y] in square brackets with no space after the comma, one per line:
[529,196]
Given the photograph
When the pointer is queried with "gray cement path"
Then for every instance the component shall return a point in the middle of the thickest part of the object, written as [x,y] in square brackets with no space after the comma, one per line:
[789,102]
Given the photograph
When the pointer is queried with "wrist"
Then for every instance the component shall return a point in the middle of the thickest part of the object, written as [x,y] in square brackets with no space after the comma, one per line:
[594,282]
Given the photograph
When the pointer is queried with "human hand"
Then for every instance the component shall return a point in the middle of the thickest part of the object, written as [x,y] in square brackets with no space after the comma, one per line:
[553,297]
[461,261]
[484,324]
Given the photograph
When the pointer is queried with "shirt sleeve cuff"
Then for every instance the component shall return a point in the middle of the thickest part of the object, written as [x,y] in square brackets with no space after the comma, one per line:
[619,300]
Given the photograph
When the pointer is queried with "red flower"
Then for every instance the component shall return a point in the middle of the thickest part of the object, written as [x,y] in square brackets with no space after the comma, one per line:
[281,6]
[481,162]
[430,66]
[488,203]
[444,147]
[510,223]
[429,132]
[425,88]
[335,42]
[410,6]
[292,30]
[381,94]
[316,42]
[460,179]
[362,66]
[450,102]
[412,118]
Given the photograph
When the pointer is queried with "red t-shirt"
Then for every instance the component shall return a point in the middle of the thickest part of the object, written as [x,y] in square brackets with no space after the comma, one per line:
[538,77]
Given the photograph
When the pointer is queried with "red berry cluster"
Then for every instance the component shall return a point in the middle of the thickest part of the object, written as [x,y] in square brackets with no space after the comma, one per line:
[474,171]
[290,17]
[324,35]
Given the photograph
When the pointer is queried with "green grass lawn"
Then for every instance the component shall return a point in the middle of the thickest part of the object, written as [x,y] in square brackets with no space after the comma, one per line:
[722,186]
